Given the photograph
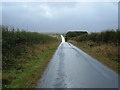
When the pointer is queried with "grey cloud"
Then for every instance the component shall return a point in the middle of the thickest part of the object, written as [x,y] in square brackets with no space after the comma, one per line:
[61,17]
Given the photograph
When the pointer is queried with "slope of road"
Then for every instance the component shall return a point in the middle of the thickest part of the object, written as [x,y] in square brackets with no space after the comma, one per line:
[70,67]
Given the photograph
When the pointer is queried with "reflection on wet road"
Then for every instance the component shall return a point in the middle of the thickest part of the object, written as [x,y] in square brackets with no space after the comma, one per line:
[70,67]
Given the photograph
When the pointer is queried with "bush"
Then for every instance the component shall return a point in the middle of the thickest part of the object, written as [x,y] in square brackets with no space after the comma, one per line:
[14,42]
[70,35]
[107,37]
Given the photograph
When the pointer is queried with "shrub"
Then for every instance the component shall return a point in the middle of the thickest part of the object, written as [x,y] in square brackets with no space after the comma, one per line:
[14,42]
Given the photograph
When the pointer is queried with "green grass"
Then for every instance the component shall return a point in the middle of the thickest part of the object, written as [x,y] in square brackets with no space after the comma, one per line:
[29,71]
[25,56]
[101,56]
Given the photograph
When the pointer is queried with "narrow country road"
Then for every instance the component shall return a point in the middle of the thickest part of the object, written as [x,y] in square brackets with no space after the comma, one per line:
[70,67]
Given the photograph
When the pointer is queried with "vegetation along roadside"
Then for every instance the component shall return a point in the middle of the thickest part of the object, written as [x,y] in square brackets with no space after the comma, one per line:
[25,56]
[101,45]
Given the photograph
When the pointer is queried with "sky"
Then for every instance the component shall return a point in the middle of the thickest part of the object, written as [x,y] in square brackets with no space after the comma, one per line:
[60,0]
[60,16]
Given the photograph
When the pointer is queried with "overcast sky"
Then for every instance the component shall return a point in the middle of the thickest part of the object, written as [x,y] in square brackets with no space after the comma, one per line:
[61,17]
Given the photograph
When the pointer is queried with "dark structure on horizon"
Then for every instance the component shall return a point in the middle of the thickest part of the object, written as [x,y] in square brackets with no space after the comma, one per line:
[72,34]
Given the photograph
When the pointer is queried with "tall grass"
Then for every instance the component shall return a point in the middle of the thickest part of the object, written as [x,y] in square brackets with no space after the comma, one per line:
[14,42]
[104,46]
[30,66]
[109,36]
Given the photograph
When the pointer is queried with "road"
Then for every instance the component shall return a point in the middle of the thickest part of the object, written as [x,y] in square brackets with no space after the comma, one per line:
[70,67]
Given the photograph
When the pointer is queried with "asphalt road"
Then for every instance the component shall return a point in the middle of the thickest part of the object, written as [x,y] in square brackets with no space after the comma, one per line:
[70,67]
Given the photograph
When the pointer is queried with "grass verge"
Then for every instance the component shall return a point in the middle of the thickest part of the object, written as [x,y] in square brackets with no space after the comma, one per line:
[98,56]
[31,66]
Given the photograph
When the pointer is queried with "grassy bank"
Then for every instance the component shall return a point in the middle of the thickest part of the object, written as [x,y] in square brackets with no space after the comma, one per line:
[25,56]
[31,67]
[101,45]
[105,53]
[15,41]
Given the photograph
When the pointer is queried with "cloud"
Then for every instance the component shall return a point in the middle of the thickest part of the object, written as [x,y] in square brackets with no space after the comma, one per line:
[60,0]
[61,17]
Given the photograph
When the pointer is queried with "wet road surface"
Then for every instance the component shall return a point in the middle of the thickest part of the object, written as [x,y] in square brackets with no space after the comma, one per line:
[70,67]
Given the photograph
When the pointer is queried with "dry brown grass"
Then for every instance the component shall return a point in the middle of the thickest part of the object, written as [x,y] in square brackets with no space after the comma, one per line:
[110,51]
[106,53]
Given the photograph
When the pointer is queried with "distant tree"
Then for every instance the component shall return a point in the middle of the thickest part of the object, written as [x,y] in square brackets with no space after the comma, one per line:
[71,34]
[109,36]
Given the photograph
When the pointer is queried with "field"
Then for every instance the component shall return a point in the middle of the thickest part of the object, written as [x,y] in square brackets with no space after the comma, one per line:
[25,56]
